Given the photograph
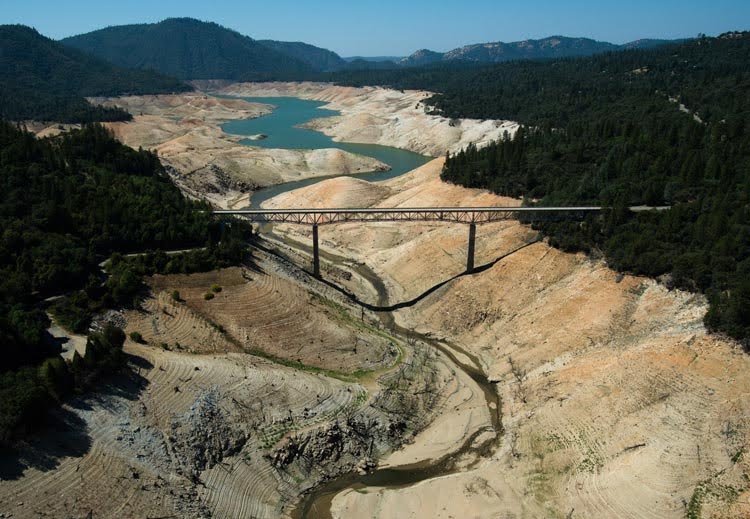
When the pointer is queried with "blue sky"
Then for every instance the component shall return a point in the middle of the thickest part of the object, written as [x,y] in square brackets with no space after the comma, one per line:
[389,27]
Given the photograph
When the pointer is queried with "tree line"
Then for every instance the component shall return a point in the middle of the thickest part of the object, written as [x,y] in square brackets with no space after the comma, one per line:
[66,204]
[44,80]
[665,126]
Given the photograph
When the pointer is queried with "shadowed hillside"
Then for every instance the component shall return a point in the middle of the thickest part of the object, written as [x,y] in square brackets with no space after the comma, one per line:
[44,80]
[188,49]
[319,59]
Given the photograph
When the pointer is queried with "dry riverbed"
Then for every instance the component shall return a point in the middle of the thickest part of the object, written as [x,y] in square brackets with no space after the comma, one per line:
[615,400]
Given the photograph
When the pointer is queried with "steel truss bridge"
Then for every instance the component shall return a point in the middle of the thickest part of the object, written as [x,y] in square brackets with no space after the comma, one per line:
[465,215]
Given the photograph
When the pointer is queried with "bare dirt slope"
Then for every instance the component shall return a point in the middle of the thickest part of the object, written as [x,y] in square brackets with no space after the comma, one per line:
[201,428]
[261,311]
[399,252]
[208,163]
[130,451]
[382,116]
[616,403]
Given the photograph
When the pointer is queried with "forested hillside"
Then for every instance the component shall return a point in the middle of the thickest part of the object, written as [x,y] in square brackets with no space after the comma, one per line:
[663,126]
[659,128]
[189,49]
[65,205]
[43,80]
[322,60]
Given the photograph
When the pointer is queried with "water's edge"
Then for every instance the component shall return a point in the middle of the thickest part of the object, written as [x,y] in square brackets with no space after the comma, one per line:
[317,503]
[282,130]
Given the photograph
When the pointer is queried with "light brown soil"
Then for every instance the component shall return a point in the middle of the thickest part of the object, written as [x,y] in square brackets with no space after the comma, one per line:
[381,116]
[618,403]
[259,311]
[188,108]
[209,164]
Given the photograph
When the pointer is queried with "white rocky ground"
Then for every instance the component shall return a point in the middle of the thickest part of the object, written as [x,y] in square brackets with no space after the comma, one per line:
[372,115]
[616,402]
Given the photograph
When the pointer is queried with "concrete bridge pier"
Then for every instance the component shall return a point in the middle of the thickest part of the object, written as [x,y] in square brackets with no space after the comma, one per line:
[316,252]
[470,255]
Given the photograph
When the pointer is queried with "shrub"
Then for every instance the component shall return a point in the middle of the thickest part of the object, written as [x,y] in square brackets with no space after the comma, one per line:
[176,296]
[216,288]
[208,296]
[23,400]
[137,337]
[56,377]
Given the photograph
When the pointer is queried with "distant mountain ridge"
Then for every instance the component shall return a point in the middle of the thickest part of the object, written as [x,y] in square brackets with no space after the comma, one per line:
[319,59]
[375,59]
[191,49]
[44,80]
[551,47]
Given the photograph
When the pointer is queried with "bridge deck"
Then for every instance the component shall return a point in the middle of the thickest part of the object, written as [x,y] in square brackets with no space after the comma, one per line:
[469,215]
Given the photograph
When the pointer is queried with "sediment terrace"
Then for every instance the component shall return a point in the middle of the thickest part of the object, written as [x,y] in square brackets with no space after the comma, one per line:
[204,425]
[614,401]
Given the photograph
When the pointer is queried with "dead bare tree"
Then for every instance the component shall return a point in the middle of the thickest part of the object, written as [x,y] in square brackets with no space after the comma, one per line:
[520,375]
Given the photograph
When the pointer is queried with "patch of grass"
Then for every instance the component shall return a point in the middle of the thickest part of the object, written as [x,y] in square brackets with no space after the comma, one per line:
[708,488]
[592,462]
[346,317]
[696,502]
[340,375]
[555,442]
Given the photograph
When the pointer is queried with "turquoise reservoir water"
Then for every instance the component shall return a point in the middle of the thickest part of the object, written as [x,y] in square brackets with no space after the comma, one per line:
[280,129]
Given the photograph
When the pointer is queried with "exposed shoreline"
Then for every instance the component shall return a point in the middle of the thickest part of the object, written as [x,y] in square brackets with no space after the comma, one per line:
[615,399]
[605,379]
[371,115]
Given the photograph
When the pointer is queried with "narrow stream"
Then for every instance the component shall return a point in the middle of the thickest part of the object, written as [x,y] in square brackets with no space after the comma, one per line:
[317,504]
[281,130]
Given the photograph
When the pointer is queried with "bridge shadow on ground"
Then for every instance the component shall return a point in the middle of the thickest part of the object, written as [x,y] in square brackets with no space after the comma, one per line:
[64,431]
[403,304]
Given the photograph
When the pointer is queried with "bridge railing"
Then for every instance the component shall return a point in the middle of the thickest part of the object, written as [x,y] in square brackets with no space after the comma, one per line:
[469,215]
